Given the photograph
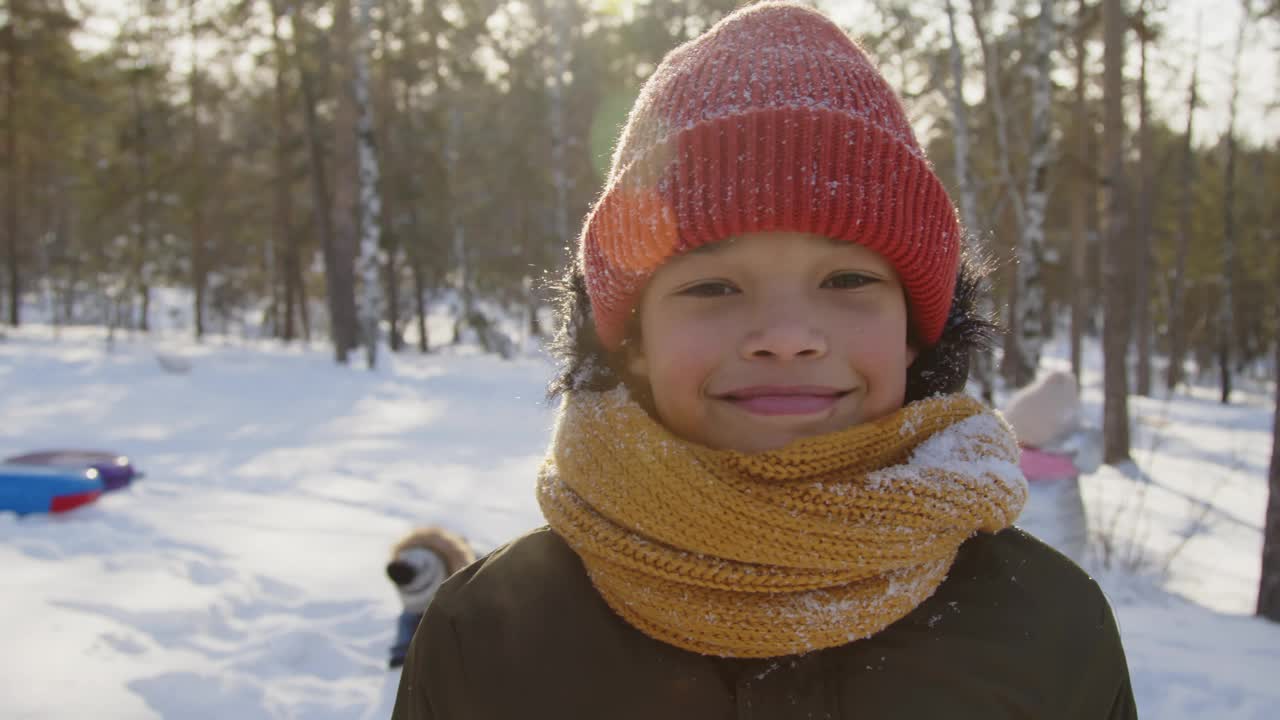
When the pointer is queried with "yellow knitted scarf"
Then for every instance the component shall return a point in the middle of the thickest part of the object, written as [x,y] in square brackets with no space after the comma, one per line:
[828,540]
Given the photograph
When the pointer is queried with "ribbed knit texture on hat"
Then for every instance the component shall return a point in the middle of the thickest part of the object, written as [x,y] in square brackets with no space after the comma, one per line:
[774,119]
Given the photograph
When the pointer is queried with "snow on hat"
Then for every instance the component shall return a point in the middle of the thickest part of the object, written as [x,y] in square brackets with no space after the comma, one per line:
[774,119]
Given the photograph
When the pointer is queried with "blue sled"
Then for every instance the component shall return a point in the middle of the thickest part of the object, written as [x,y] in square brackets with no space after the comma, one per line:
[34,489]
[114,470]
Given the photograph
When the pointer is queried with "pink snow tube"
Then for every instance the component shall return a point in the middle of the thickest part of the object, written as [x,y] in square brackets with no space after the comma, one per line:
[1041,466]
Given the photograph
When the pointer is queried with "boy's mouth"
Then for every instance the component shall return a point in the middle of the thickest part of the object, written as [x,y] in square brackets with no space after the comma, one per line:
[784,400]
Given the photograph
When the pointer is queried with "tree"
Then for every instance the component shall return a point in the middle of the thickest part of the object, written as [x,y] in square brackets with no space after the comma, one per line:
[1083,196]
[1030,284]
[199,269]
[1025,191]
[340,274]
[560,39]
[143,193]
[14,41]
[1177,284]
[1226,303]
[1269,586]
[1142,236]
[1116,270]
[283,234]
[964,178]
[960,130]
[370,201]
[1014,366]
[415,181]
[41,69]
[1269,582]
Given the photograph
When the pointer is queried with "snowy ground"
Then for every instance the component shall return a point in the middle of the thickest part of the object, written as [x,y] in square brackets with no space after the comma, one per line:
[243,578]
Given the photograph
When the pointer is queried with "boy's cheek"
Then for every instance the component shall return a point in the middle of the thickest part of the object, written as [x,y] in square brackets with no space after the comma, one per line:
[691,339]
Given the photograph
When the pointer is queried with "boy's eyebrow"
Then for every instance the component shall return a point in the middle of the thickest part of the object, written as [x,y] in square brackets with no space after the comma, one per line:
[710,248]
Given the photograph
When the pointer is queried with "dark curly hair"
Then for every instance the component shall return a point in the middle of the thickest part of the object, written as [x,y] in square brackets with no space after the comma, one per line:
[585,364]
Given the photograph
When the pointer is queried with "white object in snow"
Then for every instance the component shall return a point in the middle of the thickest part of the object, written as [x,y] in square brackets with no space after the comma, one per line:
[171,363]
[1046,410]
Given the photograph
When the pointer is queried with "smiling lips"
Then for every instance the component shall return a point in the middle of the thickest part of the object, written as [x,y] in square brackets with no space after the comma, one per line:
[784,400]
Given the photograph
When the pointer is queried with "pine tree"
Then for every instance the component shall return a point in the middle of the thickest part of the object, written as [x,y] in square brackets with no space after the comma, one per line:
[1178,282]
[1142,236]
[340,275]
[1269,582]
[1226,303]
[15,42]
[1083,197]
[1116,272]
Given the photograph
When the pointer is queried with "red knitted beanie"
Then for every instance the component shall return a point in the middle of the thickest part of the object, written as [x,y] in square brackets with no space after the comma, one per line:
[774,119]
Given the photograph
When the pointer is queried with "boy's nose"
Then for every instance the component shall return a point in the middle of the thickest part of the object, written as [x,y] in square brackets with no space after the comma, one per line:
[785,336]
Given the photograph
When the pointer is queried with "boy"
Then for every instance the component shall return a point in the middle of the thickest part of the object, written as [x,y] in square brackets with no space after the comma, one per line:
[766,495]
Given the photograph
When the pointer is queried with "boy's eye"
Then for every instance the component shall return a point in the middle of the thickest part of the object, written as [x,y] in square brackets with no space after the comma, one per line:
[848,281]
[710,288]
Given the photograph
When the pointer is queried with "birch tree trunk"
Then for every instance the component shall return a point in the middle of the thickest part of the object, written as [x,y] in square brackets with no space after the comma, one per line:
[1226,306]
[370,202]
[1177,321]
[1115,409]
[1030,331]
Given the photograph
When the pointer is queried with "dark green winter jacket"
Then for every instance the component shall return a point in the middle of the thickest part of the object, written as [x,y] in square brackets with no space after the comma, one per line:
[1016,631]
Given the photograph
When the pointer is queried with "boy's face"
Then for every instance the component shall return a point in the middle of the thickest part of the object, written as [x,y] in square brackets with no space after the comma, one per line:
[765,338]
